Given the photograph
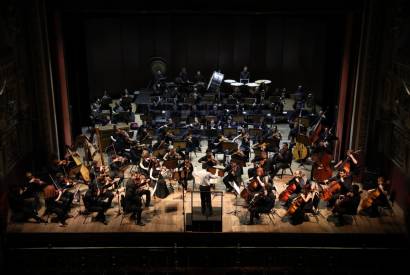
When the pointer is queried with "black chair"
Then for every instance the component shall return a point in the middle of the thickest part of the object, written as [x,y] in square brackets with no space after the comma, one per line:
[287,166]
[88,210]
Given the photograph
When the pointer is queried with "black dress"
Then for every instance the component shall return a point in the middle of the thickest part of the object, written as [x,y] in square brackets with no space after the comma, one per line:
[161,189]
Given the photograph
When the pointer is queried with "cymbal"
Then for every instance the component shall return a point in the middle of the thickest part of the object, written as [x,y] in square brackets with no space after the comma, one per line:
[229,81]
[220,167]
[260,81]
[236,84]
[252,84]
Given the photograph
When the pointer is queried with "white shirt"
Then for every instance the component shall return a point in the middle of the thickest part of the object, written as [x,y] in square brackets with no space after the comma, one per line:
[205,177]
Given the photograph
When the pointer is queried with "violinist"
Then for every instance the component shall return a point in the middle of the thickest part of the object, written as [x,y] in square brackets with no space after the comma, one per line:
[118,163]
[96,203]
[145,162]
[218,142]
[349,164]
[346,205]
[172,154]
[208,160]
[157,180]
[22,208]
[244,144]
[103,184]
[185,173]
[119,140]
[143,136]
[141,181]
[31,189]
[345,181]
[56,166]
[132,202]
[63,182]
[169,137]
[375,198]
[233,176]
[282,159]
[58,202]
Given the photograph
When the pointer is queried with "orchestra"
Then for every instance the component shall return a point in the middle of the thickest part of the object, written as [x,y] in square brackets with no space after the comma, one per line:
[150,162]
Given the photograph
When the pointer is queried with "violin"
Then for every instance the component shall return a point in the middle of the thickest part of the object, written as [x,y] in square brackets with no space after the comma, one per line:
[333,187]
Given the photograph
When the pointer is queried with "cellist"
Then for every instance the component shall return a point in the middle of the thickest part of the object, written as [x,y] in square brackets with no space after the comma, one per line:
[349,164]
[377,197]
[344,179]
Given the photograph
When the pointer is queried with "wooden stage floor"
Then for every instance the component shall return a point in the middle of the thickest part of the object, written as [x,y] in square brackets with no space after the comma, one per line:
[166,215]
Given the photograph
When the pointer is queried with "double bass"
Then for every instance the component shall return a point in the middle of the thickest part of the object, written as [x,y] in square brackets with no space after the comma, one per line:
[300,151]
[321,166]
[316,130]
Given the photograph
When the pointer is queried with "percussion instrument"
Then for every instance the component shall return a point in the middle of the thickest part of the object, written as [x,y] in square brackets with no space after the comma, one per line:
[265,81]
[252,87]
[252,84]
[236,84]
[215,81]
[229,81]
[158,64]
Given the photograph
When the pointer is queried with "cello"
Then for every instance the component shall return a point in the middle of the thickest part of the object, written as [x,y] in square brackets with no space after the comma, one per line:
[333,187]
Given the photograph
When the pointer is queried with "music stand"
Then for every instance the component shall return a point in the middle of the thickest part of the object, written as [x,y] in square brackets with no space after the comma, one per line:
[237,192]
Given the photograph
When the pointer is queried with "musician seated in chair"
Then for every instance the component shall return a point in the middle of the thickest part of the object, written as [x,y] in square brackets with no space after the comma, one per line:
[23,209]
[262,203]
[172,154]
[58,202]
[233,176]
[63,182]
[297,184]
[345,181]
[376,198]
[185,173]
[132,200]
[345,205]
[208,160]
[94,201]
[302,204]
[103,185]
[283,159]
